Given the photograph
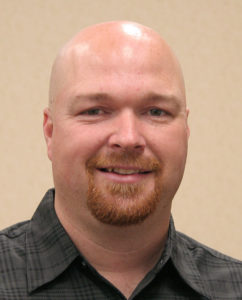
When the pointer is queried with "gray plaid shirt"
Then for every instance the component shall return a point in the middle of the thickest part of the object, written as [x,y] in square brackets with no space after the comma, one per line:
[39,261]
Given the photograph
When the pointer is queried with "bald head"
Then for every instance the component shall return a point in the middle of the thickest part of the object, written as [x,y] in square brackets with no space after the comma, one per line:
[114,46]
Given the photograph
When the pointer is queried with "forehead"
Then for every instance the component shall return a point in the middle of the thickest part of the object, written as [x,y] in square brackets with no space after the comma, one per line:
[119,63]
[119,53]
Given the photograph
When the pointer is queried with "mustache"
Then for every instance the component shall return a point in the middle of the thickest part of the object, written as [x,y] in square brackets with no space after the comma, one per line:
[123,159]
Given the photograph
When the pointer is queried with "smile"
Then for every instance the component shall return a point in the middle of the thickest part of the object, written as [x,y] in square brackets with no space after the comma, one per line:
[121,171]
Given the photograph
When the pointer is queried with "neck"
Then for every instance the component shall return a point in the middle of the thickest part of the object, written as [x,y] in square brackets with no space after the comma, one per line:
[119,253]
[120,239]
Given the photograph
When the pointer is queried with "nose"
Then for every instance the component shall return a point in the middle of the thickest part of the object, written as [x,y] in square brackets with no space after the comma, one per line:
[127,133]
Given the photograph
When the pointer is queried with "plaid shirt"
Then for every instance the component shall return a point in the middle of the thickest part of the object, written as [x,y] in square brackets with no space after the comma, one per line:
[39,261]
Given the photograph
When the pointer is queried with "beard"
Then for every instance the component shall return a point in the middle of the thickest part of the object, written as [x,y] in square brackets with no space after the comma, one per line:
[123,204]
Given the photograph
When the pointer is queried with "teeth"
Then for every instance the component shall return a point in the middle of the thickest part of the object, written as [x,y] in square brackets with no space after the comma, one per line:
[123,171]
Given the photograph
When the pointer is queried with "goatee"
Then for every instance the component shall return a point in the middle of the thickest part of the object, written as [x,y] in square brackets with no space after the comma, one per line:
[123,204]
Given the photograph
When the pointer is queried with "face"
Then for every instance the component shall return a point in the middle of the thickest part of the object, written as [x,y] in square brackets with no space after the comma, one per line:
[117,134]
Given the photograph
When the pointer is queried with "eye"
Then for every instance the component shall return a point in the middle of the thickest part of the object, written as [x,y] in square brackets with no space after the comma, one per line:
[157,112]
[93,112]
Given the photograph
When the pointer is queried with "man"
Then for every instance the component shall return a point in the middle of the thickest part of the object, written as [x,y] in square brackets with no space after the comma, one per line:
[116,133]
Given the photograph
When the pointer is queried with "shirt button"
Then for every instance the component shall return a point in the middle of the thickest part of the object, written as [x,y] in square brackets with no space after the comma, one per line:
[84,264]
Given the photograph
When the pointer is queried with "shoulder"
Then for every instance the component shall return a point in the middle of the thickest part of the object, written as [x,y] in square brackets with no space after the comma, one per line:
[204,251]
[220,272]
[12,247]
[13,261]
[13,233]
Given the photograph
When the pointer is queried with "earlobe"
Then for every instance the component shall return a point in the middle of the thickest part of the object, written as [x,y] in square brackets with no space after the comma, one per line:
[188,132]
[48,131]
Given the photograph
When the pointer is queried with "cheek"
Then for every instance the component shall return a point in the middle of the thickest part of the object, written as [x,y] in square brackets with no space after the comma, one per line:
[172,152]
[170,146]
[76,144]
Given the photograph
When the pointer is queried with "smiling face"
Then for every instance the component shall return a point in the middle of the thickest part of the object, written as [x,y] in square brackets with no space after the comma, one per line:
[117,130]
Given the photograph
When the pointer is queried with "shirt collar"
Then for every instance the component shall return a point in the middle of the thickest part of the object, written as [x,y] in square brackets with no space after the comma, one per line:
[49,250]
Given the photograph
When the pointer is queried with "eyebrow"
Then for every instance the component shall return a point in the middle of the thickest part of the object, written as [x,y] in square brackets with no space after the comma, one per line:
[90,97]
[165,98]
[150,96]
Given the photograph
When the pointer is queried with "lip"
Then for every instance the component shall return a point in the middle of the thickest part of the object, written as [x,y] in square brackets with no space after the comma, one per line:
[124,178]
[135,168]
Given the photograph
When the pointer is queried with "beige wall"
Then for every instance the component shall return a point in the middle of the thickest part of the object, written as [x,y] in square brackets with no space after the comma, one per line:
[206,35]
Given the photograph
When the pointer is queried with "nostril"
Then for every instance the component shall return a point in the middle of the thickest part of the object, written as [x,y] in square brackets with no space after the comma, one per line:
[117,145]
[138,146]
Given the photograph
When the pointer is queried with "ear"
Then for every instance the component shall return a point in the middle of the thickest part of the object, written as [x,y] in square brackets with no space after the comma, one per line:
[188,128]
[48,131]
